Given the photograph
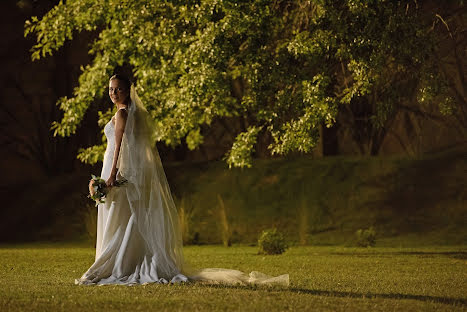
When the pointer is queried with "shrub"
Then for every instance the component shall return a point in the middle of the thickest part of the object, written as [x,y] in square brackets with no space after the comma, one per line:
[271,242]
[366,238]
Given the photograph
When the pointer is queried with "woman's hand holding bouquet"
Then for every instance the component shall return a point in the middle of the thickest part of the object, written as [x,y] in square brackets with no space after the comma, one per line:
[98,188]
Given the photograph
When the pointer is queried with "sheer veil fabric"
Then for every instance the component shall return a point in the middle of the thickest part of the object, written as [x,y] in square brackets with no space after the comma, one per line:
[138,233]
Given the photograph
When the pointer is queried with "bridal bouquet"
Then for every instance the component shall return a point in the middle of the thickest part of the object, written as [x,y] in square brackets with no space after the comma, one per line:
[98,189]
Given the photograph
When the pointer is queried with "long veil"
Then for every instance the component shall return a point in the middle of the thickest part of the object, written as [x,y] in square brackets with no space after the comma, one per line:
[151,202]
[148,191]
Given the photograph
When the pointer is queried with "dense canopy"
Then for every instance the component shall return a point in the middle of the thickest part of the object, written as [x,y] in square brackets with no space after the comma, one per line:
[284,67]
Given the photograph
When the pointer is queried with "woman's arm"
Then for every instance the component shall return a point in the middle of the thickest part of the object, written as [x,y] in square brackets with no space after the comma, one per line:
[120,122]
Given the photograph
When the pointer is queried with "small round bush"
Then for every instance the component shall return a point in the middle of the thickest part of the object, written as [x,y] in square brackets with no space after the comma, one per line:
[271,242]
[366,238]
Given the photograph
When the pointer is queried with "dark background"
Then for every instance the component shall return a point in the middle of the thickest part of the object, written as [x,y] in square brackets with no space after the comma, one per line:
[42,181]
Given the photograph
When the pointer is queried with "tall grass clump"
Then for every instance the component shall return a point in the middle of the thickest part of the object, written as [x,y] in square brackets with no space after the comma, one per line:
[226,232]
[186,212]
[303,223]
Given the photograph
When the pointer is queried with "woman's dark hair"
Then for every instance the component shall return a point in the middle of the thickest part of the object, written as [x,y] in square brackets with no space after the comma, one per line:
[123,79]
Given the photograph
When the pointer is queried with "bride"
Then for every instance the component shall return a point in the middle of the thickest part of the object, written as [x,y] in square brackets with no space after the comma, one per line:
[138,235]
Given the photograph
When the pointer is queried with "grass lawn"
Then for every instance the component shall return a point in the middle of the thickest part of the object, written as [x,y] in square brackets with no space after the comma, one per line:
[40,277]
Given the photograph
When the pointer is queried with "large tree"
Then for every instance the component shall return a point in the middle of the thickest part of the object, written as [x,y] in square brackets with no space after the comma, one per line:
[283,67]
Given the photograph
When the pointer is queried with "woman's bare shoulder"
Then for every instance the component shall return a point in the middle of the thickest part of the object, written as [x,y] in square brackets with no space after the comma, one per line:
[122,113]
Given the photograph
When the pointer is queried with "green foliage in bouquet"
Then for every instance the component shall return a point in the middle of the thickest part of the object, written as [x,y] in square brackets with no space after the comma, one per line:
[271,242]
[366,238]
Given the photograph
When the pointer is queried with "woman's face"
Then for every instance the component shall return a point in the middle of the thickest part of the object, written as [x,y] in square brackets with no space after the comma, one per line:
[118,92]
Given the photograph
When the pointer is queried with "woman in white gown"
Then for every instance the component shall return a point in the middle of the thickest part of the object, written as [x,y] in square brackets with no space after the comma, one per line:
[138,235]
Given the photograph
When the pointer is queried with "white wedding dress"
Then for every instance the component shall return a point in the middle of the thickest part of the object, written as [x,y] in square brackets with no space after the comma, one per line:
[138,239]
[121,253]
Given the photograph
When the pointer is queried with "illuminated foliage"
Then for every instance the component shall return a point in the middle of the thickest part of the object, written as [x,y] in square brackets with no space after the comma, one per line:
[283,66]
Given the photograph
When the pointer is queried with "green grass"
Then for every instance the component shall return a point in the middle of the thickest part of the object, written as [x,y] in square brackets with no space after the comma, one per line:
[39,277]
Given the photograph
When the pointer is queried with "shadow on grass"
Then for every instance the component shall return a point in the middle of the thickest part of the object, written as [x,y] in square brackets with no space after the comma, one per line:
[451,254]
[349,294]
[346,294]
